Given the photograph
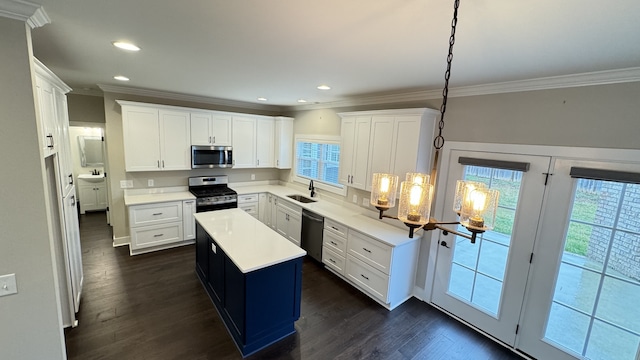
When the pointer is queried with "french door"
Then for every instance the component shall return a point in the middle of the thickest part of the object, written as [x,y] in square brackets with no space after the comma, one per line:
[484,283]
[584,290]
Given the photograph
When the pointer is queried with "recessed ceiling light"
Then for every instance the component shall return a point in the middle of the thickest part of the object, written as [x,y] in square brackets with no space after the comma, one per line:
[121,78]
[302,100]
[262,99]
[125,46]
[324,87]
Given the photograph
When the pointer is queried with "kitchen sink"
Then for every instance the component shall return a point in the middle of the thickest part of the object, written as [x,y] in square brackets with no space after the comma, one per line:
[300,198]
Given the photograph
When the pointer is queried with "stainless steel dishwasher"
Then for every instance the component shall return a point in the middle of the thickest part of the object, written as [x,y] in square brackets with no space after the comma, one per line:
[312,227]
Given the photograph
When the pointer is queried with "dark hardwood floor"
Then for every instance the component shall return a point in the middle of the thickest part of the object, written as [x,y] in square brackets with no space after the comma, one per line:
[152,306]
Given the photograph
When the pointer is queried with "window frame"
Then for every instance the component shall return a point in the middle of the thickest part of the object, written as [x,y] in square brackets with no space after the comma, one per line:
[339,189]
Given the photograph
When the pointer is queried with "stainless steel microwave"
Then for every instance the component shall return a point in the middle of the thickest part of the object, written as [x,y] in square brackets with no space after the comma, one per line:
[203,157]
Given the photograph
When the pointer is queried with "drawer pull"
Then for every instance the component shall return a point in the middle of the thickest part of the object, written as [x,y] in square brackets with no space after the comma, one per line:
[335,228]
[333,243]
[156,214]
[364,277]
[333,261]
[367,250]
[158,235]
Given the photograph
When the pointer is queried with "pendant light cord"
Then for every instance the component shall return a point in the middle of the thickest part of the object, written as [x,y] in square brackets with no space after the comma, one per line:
[438,142]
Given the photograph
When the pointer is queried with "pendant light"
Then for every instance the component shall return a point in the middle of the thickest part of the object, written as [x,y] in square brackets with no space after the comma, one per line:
[475,204]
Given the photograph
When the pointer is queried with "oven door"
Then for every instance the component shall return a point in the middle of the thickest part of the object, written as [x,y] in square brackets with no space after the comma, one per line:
[208,157]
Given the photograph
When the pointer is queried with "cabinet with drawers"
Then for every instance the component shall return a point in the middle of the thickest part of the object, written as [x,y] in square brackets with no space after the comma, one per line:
[334,245]
[249,203]
[160,225]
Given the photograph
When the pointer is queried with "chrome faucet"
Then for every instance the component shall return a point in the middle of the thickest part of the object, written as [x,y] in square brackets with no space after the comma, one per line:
[313,189]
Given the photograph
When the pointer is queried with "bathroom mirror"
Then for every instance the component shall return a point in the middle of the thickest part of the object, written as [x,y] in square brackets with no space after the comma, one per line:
[90,151]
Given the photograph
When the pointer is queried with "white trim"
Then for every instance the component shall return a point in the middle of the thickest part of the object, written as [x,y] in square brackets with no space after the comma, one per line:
[33,14]
[328,139]
[185,97]
[615,76]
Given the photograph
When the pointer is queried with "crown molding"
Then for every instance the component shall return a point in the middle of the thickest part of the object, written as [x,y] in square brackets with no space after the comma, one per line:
[547,83]
[33,14]
[189,98]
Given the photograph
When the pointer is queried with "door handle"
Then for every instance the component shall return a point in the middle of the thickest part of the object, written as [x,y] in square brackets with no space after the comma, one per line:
[444,243]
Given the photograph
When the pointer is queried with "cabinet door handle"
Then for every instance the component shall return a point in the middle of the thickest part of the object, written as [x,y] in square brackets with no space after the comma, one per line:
[214,139]
[277,162]
[210,140]
[158,235]
[163,164]
[258,162]
[73,200]
[367,250]
[50,137]
[70,179]
[364,277]
[156,214]
[158,164]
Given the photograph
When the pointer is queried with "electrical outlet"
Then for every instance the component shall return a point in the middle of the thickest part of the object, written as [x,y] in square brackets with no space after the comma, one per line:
[126,184]
[150,182]
[8,285]
[365,202]
[355,198]
[253,176]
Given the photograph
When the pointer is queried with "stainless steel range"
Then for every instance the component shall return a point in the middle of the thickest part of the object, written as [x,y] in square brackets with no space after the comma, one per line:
[212,193]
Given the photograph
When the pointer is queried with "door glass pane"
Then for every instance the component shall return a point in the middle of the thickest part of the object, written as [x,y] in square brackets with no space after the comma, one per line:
[486,260]
[599,276]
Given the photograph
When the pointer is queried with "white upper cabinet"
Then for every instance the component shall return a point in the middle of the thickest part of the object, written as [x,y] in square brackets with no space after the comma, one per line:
[155,138]
[284,143]
[175,144]
[210,128]
[354,151]
[244,142]
[399,141]
[265,137]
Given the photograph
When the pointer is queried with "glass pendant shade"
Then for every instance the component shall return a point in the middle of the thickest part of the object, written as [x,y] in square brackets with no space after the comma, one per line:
[383,191]
[417,178]
[479,208]
[463,188]
[415,203]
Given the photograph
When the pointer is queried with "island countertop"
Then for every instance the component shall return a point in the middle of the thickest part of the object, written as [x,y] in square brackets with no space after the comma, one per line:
[250,244]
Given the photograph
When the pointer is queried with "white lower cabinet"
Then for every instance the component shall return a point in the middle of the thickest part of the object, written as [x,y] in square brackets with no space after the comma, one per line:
[249,203]
[289,221]
[333,260]
[93,196]
[161,225]
[372,281]
[188,221]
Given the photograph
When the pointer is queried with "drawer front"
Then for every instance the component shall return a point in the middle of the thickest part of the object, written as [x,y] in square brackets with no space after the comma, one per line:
[142,215]
[335,227]
[335,243]
[251,209]
[370,251]
[368,278]
[148,236]
[247,198]
[333,260]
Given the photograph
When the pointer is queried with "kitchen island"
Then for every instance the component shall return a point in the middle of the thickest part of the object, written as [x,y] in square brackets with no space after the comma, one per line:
[252,274]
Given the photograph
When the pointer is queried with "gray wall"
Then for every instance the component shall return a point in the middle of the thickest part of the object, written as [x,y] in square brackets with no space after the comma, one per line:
[85,109]
[30,323]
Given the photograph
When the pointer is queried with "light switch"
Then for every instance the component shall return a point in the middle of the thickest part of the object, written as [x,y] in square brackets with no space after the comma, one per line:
[8,285]
[150,182]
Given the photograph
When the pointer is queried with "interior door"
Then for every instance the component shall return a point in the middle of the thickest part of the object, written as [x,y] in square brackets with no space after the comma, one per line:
[585,281]
[484,283]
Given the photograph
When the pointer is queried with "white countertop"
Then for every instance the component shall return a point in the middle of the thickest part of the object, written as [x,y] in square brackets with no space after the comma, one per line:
[250,244]
[350,217]
[150,196]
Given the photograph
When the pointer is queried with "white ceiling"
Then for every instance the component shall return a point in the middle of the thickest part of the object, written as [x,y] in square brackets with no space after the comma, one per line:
[282,49]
